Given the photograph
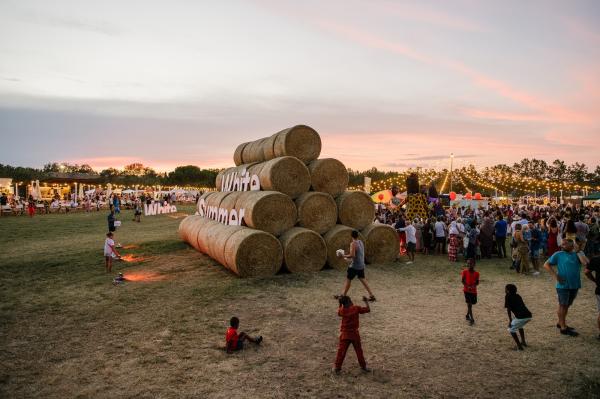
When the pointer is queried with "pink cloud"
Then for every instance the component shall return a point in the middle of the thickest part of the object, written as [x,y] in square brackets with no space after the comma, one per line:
[550,110]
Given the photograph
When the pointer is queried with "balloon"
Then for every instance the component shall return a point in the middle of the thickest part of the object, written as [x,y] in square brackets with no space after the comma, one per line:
[477,196]
[452,195]
[468,196]
[380,196]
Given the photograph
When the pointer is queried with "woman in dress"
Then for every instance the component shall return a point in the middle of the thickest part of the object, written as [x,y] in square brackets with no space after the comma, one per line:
[453,242]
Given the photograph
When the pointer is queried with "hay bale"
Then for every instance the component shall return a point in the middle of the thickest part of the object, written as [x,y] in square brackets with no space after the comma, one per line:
[316,211]
[253,253]
[303,250]
[381,243]
[300,141]
[268,211]
[355,209]
[339,237]
[201,204]
[253,152]
[287,175]
[329,176]
[242,250]
[237,155]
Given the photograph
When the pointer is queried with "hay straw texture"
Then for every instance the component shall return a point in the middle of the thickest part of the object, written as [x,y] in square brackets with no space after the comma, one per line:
[339,238]
[244,251]
[381,243]
[300,141]
[287,175]
[316,211]
[268,211]
[204,197]
[329,176]
[355,209]
[303,250]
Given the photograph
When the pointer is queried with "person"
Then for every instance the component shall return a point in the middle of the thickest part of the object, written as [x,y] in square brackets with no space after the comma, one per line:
[453,233]
[427,237]
[486,237]
[592,272]
[116,203]
[553,234]
[470,280]
[568,281]
[234,341]
[137,213]
[570,232]
[473,235]
[522,249]
[30,206]
[111,221]
[582,232]
[594,236]
[411,240]
[535,247]
[3,199]
[109,251]
[500,230]
[514,304]
[400,224]
[356,267]
[440,236]
[349,332]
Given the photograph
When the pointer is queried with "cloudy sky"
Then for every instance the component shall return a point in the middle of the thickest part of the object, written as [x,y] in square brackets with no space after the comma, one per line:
[390,84]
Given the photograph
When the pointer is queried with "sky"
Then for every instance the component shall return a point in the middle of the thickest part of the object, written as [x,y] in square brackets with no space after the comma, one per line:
[390,84]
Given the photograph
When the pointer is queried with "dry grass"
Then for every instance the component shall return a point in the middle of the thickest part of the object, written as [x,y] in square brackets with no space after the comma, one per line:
[66,331]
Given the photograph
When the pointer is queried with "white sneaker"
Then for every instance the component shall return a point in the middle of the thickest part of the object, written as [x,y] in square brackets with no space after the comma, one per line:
[409,263]
[536,273]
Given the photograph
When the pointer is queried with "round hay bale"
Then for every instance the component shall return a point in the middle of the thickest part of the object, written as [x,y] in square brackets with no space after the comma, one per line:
[268,211]
[355,209]
[202,202]
[269,147]
[339,237]
[303,250]
[287,175]
[316,211]
[253,253]
[253,152]
[183,228]
[329,176]
[237,155]
[381,243]
[300,141]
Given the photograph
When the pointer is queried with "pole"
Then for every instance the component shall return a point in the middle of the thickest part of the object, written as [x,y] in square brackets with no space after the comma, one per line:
[451,162]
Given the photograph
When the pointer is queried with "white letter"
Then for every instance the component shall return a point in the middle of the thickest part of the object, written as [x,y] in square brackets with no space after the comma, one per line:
[233,218]
[241,221]
[254,183]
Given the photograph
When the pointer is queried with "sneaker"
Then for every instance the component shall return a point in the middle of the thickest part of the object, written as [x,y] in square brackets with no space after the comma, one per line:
[471,322]
[568,332]
[409,263]
[519,348]
[536,273]
[259,339]
[467,318]
[568,328]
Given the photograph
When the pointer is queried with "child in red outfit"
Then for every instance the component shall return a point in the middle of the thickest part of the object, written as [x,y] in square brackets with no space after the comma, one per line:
[349,331]
[470,280]
[235,341]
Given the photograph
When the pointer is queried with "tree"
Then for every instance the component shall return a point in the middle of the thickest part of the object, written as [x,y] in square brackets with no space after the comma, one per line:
[558,170]
[577,172]
[136,169]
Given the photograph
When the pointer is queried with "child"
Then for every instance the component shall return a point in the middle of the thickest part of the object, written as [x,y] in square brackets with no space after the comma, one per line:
[137,211]
[235,341]
[109,251]
[470,280]
[349,332]
[514,303]
[411,240]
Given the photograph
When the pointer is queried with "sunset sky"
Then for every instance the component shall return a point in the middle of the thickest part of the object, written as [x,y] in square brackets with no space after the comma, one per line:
[391,84]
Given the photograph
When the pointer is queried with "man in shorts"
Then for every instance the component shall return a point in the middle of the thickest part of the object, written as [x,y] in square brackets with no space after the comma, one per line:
[568,281]
[592,272]
[356,267]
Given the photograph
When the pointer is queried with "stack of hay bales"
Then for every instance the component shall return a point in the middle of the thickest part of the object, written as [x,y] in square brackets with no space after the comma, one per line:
[281,205]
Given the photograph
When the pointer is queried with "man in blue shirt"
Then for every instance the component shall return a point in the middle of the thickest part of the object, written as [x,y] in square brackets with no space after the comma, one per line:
[500,233]
[535,245]
[568,280]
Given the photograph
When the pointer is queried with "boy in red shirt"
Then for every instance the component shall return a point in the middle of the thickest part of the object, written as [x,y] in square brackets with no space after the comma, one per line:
[235,341]
[349,332]
[470,280]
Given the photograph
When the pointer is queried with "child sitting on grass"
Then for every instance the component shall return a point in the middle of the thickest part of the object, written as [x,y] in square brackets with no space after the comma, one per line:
[349,332]
[470,280]
[514,304]
[235,341]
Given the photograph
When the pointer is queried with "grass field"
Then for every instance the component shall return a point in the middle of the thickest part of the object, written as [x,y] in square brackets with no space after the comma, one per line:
[66,331]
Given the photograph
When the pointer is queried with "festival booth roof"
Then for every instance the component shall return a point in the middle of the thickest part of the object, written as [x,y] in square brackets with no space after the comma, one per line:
[592,197]
[54,177]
